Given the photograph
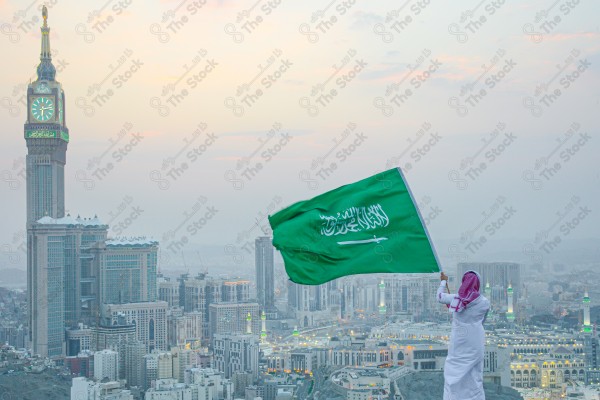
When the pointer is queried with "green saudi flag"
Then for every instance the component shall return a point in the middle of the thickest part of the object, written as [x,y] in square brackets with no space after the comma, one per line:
[370,226]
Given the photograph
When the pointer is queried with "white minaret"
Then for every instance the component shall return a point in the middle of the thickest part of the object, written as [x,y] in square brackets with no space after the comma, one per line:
[510,315]
[296,335]
[263,330]
[249,324]
[488,293]
[382,308]
[587,326]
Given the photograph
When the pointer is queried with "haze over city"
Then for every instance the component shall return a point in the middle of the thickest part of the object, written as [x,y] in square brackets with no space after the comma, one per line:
[186,123]
[215,173]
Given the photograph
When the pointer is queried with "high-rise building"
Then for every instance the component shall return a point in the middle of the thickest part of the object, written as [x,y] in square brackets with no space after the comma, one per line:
[187,329]
[106,365]
[71,267]
[168,290]
[127,271]
[78,339]
[58,277]
[150,320]
[310,305]
[265,273]
[231,318]
[198,293]
[159,365]
[114,336]
[134,363]
[236,353]
[47,136]
[210,383]
[413,294]
[85,389]
[235,291]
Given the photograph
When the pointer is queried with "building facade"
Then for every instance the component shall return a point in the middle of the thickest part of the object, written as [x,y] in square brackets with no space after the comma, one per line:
[231,318]
[265,273]
[236,353]
[149,319]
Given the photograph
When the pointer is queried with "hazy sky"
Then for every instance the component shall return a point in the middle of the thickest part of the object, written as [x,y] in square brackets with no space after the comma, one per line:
[230,110]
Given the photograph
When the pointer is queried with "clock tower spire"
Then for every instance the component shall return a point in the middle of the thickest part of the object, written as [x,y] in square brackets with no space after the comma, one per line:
[47,136]
[46,70]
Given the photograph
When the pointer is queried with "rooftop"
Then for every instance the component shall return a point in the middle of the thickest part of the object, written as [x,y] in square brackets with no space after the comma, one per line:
[68,220]
[131,241]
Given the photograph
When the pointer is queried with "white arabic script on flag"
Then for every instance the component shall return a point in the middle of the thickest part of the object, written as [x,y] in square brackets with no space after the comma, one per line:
[354,219]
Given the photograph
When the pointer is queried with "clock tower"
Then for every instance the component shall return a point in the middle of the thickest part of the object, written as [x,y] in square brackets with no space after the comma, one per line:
[47,136]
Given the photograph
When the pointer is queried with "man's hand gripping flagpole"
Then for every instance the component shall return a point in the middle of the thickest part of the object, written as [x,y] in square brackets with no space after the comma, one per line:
[444,277]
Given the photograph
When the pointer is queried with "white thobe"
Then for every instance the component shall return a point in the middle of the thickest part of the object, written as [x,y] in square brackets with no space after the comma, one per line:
[463,371]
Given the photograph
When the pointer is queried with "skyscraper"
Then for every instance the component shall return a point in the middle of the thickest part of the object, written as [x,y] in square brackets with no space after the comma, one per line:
[106,365]
[72,268]
[265,273]
[127,271]
[47,136]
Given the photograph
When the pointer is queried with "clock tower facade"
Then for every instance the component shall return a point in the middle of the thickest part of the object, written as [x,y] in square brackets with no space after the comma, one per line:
[47,137]
[50,271]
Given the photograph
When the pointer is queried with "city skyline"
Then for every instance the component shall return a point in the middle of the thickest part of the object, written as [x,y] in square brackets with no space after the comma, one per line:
[132,201]
[150,266]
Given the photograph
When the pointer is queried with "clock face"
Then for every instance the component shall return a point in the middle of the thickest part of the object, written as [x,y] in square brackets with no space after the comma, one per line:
[42,108]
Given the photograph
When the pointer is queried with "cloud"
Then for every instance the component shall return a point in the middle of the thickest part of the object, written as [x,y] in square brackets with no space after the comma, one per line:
[365,20]
[562,37]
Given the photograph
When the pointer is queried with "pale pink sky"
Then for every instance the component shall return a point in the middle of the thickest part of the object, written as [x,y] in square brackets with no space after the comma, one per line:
[379,48]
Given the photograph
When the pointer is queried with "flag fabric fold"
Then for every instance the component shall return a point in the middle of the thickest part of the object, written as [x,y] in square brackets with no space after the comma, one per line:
[370,226]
